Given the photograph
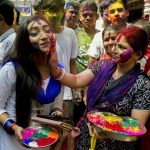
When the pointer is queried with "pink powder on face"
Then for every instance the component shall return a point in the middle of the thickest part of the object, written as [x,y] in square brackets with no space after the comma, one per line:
[125,56]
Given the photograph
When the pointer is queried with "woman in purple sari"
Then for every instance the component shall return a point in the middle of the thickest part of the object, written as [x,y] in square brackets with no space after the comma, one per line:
[117,86]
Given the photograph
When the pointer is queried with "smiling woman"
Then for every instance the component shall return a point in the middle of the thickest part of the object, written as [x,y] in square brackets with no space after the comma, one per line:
[128,94]
[40,35]
[27,87]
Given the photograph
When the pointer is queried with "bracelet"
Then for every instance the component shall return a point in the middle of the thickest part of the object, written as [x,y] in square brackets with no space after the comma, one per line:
[62,74]
[12,125]
[8,125]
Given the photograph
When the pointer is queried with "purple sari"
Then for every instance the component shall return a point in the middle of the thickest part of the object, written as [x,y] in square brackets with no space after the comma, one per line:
[102,96]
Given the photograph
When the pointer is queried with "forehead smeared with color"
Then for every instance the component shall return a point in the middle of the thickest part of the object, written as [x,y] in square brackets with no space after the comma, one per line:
[115,6]
[73,5]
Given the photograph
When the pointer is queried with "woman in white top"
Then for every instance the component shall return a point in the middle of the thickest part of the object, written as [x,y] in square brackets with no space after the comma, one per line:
[27,87]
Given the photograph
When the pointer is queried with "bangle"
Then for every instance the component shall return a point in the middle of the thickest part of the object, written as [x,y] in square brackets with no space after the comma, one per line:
[62,74]
[12,125]
[8,125]
[58,73]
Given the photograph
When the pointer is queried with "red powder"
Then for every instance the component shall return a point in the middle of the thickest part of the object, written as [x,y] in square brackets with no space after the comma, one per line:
[45,141]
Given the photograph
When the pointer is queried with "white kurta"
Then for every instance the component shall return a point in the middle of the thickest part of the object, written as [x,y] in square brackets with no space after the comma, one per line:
[8,102]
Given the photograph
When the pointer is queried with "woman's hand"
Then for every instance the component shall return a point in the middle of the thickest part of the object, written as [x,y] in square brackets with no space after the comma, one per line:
[93,131]
[75,132]
[56,113]
[18,130]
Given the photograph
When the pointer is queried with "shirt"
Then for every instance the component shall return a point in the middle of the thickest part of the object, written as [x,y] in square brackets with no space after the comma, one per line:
[6,42]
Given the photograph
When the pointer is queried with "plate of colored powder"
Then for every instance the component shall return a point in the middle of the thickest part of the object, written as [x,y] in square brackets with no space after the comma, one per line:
[119,125]
[39,136]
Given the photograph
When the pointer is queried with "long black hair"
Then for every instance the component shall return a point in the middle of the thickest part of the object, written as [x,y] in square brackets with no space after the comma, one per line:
[28,78]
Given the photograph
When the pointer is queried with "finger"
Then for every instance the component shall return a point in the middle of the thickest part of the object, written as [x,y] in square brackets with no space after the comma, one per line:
[90,129]
[96,133]
[59,113]
[19,135]
[76,129]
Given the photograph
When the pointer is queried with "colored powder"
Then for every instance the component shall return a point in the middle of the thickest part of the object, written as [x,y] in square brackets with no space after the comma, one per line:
[28,132]
[124,124]
[46,131]
[125,56]
[127,126]
[33,144]
[133,123]
[45,141]
[39,135]
[112,119]
[27,141]
[53,135]
[136,129]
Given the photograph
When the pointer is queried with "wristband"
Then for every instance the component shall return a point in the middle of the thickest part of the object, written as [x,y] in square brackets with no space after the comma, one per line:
[8,125]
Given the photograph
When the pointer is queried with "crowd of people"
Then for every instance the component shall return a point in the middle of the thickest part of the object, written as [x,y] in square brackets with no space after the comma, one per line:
[70,58]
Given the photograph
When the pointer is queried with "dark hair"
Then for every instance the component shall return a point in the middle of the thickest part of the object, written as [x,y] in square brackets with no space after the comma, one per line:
[18,16]
[52,5]
[28,80]
[109,28]
[7,11]
[104,5]
[136,37]
[75,5]
[89,3]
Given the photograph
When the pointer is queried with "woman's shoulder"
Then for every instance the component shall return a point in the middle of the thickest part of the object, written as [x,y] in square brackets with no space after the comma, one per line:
[141,86]
[95,67]
[143,80]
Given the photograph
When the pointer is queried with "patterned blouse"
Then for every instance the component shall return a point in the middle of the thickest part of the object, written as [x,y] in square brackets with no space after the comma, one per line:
[138,97]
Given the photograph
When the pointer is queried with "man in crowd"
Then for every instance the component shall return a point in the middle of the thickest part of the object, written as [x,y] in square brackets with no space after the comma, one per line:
[7,33]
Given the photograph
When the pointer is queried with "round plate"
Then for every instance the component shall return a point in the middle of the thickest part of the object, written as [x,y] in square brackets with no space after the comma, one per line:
[116,127]
[39,136]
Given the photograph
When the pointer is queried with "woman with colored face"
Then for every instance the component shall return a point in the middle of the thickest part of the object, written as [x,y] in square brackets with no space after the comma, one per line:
[27,87]
[118,86]
[40,36]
